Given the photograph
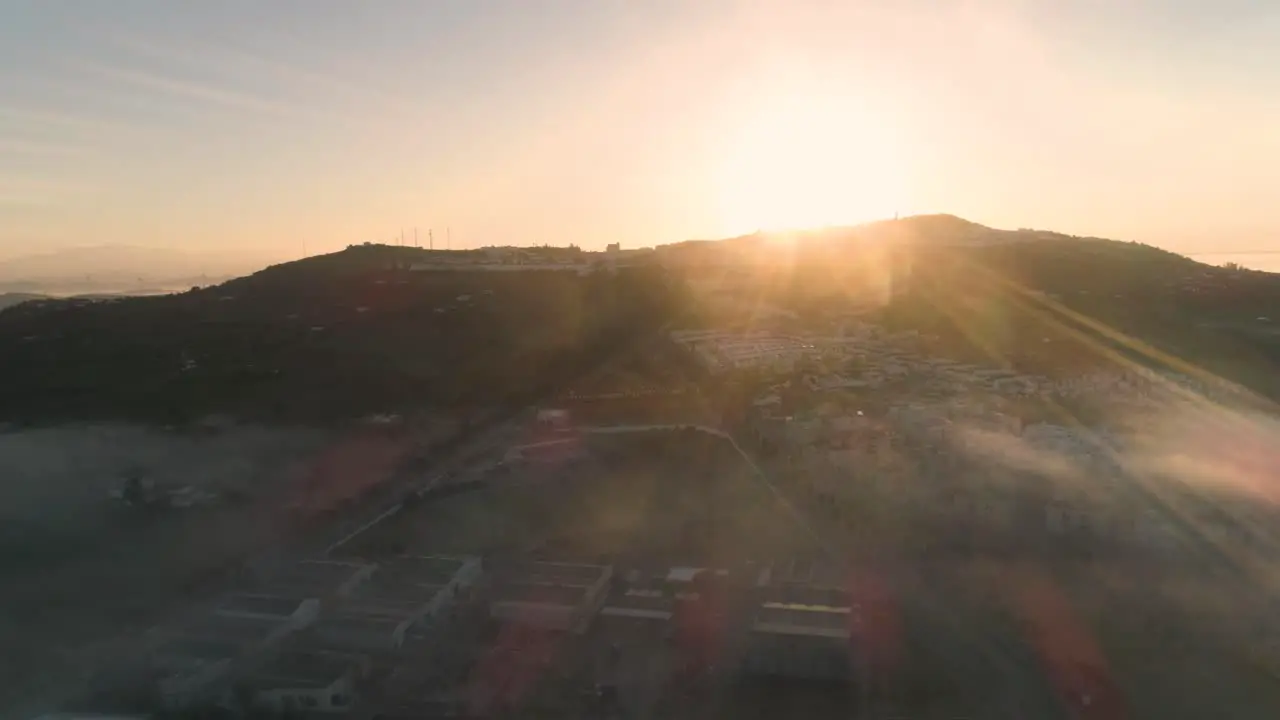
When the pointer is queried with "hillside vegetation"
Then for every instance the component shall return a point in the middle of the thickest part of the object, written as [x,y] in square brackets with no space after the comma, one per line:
[332,336]
[1032,300]
[359,332]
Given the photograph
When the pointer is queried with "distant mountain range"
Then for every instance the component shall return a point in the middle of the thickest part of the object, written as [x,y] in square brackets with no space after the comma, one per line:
[13,298]
[116,269]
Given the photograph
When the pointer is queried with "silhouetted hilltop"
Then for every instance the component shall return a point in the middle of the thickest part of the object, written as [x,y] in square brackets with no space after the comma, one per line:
[378,328]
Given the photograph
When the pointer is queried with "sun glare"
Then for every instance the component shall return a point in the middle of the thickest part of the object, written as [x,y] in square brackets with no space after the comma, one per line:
[808,162]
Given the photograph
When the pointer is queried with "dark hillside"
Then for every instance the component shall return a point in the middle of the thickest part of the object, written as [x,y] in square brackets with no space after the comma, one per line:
[1027,299]
[1070,304]
[331,336]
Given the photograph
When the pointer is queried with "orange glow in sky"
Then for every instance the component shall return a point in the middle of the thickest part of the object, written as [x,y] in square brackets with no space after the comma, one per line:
[249,128]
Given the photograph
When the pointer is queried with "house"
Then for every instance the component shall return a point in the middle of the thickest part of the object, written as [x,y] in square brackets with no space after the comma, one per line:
[554,596]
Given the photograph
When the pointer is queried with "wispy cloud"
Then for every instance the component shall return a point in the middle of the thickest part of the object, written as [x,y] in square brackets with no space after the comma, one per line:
[15,146]
[189,90]
[226,58]
[25,194]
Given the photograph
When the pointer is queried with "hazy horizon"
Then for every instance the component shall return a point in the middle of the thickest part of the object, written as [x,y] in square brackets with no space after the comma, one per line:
[254,130]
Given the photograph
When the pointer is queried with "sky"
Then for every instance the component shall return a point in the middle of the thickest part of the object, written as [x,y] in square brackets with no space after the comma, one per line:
[269,129]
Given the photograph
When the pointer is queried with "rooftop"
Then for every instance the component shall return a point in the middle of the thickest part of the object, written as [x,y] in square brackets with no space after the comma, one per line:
[319,577]
[186,651]
[788,619]
[560,573]
[240,630]
[303,670]
[381,606]
[352,621]
[803,572]
[254,604]
[393,591]
[803,595]
[426,569]
[541,593]
[640,605]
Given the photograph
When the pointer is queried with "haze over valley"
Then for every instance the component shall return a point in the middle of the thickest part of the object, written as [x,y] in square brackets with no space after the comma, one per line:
[664,360]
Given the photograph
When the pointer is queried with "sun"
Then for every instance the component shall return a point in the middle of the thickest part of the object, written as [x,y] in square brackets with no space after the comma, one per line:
[807,162]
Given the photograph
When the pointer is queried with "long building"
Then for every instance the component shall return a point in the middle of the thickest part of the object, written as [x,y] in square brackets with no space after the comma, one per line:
[400,594]
[802,626]
[553,596]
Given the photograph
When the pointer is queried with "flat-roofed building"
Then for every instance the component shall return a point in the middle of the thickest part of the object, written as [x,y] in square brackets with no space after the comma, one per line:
[321,579]
[802,626]
[656,596]
[803,572]
[193,663]
[253,606]
[554,596]
[424,691]
[302,683]
[432,569]
[426,586]
[800,641]
[640,605]
[402,592]
[356,630]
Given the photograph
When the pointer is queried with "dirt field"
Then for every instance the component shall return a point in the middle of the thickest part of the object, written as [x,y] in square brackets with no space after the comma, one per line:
[655,498]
